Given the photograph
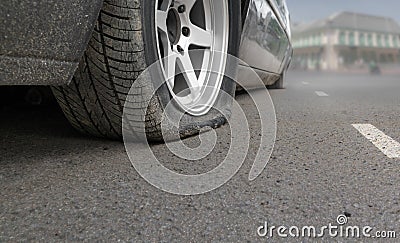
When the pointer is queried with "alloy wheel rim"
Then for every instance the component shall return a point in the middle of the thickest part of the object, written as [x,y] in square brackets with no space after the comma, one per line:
[192,42]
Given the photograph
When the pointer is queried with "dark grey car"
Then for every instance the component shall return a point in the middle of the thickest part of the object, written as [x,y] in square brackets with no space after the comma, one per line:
[92,51]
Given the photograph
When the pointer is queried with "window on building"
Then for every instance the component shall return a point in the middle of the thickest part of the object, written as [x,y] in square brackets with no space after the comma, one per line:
[352,41]
[370,40]
[365,56]
[374,56]
[398,43]
[395,41]
[361,39]
[382,58]
[387,42]
[342,38]
[379,40]
[390,58]
[319,39]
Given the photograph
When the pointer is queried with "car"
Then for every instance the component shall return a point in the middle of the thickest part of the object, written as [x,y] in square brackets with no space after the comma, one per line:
[91,52]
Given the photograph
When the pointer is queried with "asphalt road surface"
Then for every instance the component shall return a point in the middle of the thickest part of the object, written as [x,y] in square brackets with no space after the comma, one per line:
[57,185]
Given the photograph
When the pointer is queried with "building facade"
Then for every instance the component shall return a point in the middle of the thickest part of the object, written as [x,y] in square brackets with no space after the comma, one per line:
[346,40]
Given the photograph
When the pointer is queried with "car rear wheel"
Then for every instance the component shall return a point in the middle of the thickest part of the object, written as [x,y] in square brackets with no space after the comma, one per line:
[129,36]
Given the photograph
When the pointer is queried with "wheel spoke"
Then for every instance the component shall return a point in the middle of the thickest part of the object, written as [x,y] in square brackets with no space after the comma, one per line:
[185,63]
[162,21]
[165,4]
[189,5]
[170,68]
[200,37]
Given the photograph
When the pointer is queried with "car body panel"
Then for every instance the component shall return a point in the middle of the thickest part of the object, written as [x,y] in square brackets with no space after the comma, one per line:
[282,13]
[41,42]
[265,41]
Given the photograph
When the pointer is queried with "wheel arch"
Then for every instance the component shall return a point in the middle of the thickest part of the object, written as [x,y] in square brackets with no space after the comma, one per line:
[44,39]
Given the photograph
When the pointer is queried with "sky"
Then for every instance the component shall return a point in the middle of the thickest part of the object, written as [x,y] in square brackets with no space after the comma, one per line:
[305,11]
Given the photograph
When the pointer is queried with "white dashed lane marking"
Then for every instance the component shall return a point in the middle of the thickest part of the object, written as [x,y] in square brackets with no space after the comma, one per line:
[321,94]
[388,146]
[305,83]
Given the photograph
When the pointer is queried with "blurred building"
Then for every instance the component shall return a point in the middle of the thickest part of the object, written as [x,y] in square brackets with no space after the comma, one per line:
[346,40]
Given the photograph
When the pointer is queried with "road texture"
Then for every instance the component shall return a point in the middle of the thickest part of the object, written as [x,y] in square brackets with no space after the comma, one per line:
[57,185]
